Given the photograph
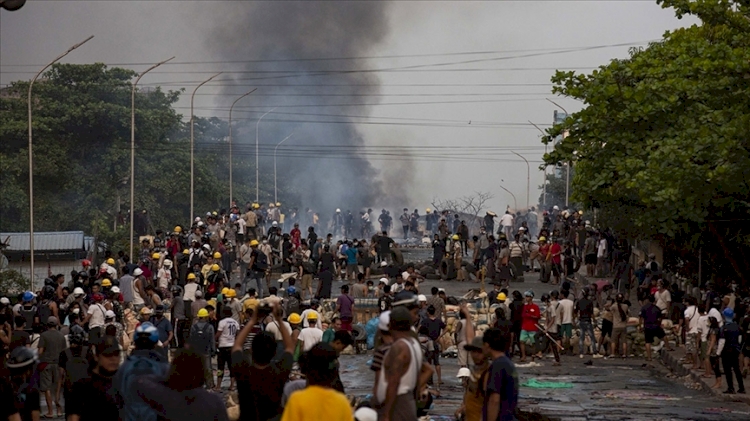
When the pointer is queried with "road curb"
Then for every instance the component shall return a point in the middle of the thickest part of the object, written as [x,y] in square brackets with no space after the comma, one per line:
[672,362]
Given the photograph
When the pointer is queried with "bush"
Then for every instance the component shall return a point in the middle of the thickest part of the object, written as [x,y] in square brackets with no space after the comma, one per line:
[12,283]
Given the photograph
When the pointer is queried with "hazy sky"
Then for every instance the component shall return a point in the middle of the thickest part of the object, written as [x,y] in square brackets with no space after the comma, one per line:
[420,33]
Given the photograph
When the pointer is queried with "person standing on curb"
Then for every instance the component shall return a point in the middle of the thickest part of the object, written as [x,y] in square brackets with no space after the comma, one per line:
[729,349]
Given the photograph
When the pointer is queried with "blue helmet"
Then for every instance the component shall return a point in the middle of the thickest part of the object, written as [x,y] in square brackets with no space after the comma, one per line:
[728,313]
[291,290]
[27,296]
[147,330]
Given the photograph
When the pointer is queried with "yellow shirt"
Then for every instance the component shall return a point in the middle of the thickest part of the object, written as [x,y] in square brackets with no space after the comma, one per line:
[315,403]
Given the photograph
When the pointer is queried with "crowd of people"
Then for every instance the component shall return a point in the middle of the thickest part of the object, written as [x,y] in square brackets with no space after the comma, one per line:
[155,338]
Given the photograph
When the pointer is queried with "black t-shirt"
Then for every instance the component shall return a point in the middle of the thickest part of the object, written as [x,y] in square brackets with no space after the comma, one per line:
[384,303]
[384,245]
[260,389]
[585,308]
[392,272]
[92,399]
[18,338]
[326,262]
[23,401]
[503,380]
[7,398]
[651,315]
[434,327]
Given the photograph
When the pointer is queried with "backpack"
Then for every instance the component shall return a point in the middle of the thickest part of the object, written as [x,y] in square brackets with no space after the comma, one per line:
[29,315]
[201,338]
[77,367]
[261,262]
[133,408]
[43,311]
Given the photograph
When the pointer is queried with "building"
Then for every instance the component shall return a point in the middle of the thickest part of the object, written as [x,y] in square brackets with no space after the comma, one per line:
[54,252]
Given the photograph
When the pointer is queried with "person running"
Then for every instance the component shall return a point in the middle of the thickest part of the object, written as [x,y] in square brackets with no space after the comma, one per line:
[91,398]
[260,383]
[226,333]
[318,401]
[182,396]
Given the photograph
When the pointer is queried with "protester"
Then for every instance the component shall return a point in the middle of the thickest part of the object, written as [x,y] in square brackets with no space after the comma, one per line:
[92,397]
[226,334]
[729,349]
[202,341]
[51,344]
[501,396]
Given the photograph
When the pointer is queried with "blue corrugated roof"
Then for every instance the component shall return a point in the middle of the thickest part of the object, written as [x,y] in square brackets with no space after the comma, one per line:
[44,241]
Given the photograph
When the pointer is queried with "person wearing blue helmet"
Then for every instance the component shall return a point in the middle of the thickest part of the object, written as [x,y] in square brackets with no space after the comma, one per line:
[143,361]
[729,349]
[29,311]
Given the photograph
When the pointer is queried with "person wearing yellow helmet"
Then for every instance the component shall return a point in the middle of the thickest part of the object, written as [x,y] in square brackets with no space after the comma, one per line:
[177,229]
[457,254]
[258,266]
[111,261]
[202,341]
[217,256]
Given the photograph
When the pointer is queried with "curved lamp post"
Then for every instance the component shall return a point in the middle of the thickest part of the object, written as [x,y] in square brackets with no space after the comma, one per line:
[192,145]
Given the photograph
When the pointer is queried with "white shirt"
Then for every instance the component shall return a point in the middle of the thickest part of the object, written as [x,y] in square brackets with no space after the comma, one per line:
[228,328]
[703,327]
[97,315]
[663,298]
[241,226]
[305,323]
[716,315]
[310,336]
[273,327]
[405,275]
[165,277]
[691,318]
[506,220]
[189,294]
[565,311]
[601,250]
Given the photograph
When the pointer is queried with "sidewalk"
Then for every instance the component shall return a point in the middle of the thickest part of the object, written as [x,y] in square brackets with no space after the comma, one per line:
[671,359]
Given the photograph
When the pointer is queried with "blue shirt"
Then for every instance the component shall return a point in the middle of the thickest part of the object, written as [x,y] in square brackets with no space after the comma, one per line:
[351,256]
[503,380]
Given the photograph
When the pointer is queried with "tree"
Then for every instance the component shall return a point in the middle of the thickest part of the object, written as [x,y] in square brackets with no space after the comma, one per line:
[661,147]
[471,205]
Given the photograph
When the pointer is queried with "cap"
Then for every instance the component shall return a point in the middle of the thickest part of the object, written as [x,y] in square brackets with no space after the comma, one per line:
[137,272]
[528,293]
[203,313]
[365,414]
[383,264]
[422,298]
[475,345]
[312,315]
[294,319]
[384,320]
[502,297]
[383,281]
[78,291]
[115,290]
[109,314]
[52,321]
[463,372]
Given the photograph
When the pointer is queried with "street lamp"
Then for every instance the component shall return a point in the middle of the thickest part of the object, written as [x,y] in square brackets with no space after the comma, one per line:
[528,178]
[275,193]
[515,203]
[31,159]
[192,145]
[567,164]
[132,148]
[544,180]
[230,143]
[257,173]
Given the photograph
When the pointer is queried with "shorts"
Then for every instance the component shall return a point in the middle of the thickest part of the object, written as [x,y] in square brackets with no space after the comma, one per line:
[351,269]
[527,337]
[463,355]
[224,358]
[566,330]
[556,269]
[653,332]
[590,259]
[49,377]
[607,328]
[704,349]
[306,281]
[619,336]
[346,324]
[690,343]
[433,357]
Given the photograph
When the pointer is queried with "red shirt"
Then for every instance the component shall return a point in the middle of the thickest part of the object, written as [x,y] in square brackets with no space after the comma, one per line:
[543,250]
[555,249]
[296,235]
[530,317]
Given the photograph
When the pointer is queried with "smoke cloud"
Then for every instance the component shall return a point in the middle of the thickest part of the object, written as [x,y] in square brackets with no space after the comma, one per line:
[333,171]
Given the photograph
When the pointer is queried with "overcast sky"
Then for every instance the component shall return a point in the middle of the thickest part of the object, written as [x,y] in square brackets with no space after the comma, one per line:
[129,32]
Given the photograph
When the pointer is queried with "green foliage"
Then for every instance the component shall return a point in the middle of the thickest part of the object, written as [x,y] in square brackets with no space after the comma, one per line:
[661,147]
[81,137]
[12,282]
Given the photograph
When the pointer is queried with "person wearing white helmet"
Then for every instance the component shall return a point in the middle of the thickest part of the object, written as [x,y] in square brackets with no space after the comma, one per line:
[139,290]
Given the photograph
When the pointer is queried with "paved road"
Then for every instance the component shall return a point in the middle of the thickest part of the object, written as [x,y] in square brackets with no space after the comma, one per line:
[606,390]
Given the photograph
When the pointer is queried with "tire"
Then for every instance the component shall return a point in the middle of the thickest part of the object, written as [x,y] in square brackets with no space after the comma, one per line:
[358,332]
[432,276]
[447,269]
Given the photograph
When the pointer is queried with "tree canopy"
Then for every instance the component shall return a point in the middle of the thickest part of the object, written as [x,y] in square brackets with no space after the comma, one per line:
[661,146]
[81,126]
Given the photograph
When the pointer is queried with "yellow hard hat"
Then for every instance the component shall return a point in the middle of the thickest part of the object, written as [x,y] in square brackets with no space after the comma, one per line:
[106,283]
[278,204]
[215,267]
[501,297]
[211,302]
[429,210]
[542,238]
[224,291]
[110,261]
[156,256]
[455,237]
[256,206]
[253,243]
[203,313]
[191,276]
[217,255]
[177,229]
[580,212]
[294,319]
[312,315]
[186,251]
[230,293]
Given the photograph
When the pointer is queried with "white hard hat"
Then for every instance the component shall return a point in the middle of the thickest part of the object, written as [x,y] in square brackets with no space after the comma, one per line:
[384,320]
[109,314]
[79,290]
[422,298]
[555,207]
[383,264]
[197,219]
[274,223]
[137,272]
[463,372]
[4,300]
[365,414]
[338,210]
[384,281]
[115,290]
